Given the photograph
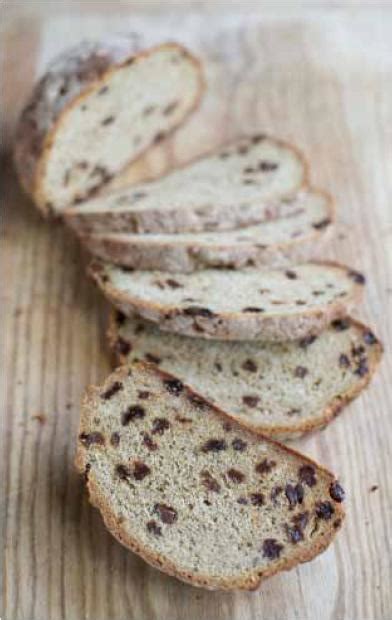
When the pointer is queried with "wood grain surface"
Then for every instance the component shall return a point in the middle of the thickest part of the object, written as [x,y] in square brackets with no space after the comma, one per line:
[320,77]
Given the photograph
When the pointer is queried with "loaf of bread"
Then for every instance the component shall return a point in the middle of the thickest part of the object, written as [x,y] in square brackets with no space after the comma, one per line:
[265,304]
[98,107]
[280,389]
[194,493]
[277,242]
[243,183]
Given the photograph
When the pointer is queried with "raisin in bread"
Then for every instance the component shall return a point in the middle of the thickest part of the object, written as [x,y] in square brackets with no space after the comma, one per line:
[243,183]
[266,304]
[278,242]
[280,389]
[98,107]
[193,492]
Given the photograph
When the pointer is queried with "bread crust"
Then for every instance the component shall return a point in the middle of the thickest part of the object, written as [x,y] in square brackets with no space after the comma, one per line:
[187,255]
[251,580]
[178,219]
[233,325]
[296,429]
[32,149]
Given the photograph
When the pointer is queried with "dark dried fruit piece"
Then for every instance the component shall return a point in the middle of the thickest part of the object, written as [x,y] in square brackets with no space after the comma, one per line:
[275,492]
[324,510]
[174,386]
[252,309]
[166,513]
[291,275]
[271,548]
[250,401]
[173,283]
[209,481]
[159,426]
[238,444]
[307,475]
[198,311]
[344,361]
[265,466]
[197,401]
[113,389]
[235,475]
[214,445]
[362,368]
[108,120]
[134,412]
[249,365]
[301,519]
[336,491]
[154,359]
[300,372]
[149,443]
[321,224]
[122,471]
[357,276]
[295,494]
[257,499]
[307,341]
[268,166]
[341,325]
[87,439]
[369,337]
[143,395]
[115,439]
[140,470]
[294,534]
[154,528]
[122,346]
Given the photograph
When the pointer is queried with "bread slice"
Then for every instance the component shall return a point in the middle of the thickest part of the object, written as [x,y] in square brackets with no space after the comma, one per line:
[278,242]
[265,304]
[280,389]
[98,107]
[194,493]
[243,183]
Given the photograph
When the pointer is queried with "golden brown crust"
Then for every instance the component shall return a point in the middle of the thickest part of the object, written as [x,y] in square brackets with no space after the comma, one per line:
[234,325]
[295,429]
[36,190]
[250,580]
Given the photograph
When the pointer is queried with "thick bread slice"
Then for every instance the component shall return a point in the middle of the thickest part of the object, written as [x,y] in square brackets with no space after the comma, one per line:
[266,304]
[192,492]
[243,183]
[98,107]
[280,389]
[278,242]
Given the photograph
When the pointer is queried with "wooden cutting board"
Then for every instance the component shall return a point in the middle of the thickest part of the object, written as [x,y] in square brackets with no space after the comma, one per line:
[319,77]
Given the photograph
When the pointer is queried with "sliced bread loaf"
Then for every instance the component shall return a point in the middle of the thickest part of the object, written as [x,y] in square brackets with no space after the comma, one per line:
[280,389]
[192,492]
[243,183]
[98,107]
[278,242]
[266,304]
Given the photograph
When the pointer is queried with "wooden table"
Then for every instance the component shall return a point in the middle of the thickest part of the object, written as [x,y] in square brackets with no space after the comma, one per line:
[320,77]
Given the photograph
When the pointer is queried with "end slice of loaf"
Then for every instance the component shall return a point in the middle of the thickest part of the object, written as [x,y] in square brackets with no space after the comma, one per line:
[278,242]
[280,389]
[98,107]
[241,184]
[192,492]
[265,304]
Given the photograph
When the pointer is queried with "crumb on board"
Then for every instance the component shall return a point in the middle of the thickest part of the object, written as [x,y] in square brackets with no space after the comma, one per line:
[40,417]
[373,488]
